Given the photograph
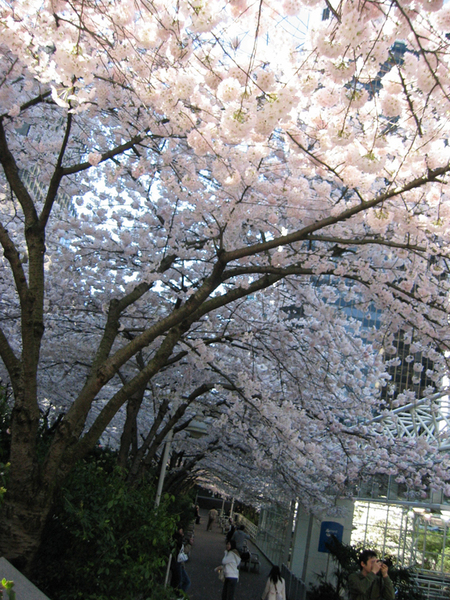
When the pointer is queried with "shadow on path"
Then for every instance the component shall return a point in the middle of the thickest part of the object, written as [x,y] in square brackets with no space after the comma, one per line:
[207,553]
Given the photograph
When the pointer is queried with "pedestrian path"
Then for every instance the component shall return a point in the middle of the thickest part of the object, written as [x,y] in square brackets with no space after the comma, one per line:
[206,554]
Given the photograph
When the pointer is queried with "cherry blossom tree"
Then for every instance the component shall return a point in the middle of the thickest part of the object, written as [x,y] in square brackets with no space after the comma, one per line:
[174,179]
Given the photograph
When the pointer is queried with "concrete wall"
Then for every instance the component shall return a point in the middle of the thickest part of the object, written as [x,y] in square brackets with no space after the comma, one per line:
[25,590]
[306,559]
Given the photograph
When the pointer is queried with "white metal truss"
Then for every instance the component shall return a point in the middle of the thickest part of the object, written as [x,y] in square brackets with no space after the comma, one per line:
[428,417]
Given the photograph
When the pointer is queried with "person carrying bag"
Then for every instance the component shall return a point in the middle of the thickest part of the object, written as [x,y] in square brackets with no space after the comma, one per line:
[229,570]
[275,587]
[182,556]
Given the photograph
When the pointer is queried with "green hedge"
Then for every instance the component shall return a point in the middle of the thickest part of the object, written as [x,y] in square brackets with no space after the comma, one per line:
[105,540]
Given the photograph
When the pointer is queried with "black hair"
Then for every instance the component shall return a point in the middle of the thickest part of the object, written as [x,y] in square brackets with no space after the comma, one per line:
[232,544]
[275,574]
[365,555]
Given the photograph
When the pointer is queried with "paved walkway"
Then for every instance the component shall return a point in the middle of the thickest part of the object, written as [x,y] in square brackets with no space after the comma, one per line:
[206,554]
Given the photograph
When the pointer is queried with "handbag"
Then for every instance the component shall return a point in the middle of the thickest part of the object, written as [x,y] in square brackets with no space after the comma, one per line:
[221,573]
[182,556]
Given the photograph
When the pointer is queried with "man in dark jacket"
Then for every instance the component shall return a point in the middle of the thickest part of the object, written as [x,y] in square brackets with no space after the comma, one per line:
[372,582]
[239,536]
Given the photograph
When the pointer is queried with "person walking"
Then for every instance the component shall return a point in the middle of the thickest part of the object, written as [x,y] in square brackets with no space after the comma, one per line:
[212,516]
[231,530]
[180,578]
[197,514]
[372,582]
[275,587]
[230,564]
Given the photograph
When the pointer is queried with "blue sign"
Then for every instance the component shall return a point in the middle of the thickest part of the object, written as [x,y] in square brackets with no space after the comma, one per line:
[327,529]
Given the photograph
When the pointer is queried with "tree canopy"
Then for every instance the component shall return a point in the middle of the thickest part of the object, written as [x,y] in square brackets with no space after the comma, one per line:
[204,212]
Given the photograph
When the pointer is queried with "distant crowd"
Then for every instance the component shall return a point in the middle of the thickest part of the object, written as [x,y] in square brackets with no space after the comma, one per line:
[236,553]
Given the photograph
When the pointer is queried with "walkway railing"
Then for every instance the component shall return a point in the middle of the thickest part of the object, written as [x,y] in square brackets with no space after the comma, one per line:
[250,527]
[433,586]
[295,587]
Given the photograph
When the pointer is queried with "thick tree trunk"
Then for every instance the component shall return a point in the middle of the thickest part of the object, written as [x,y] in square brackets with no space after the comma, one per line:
[22,521]
[30,487]
[26,502]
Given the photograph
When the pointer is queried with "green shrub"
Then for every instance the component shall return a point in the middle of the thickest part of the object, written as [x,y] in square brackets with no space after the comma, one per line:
[105,540]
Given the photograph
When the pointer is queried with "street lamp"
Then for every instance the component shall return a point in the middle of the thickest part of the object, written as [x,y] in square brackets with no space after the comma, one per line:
[162,475]
[196,429]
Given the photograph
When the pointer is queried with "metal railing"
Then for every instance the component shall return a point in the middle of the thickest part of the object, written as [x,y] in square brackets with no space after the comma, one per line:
[295,587]
[433,586]
[250,527]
